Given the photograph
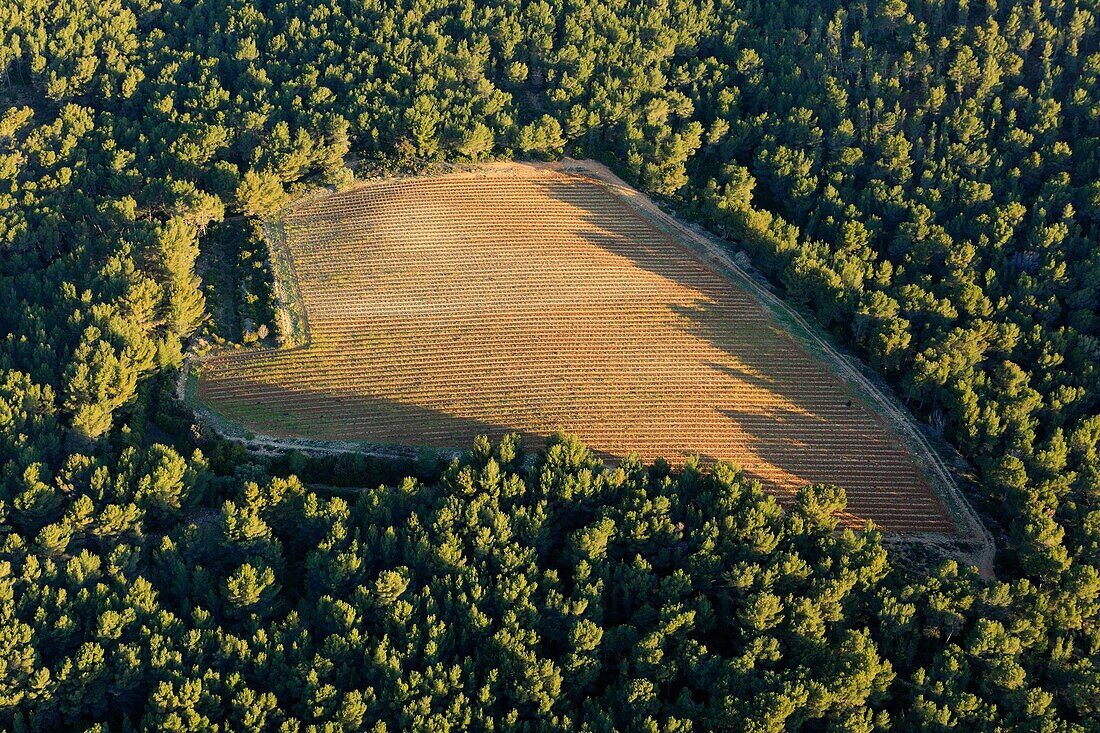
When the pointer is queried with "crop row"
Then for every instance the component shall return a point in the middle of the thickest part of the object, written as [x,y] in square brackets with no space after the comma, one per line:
[447,307]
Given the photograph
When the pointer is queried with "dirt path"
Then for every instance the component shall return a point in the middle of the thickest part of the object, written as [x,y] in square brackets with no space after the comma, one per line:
[970,525]
[974,543]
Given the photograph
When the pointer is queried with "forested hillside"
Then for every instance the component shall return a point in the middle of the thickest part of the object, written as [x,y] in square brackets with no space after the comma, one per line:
[924,177]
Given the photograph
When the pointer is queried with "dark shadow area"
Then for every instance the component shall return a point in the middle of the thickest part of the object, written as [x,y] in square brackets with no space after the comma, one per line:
[808,422]
[742,374]
[831,436]
[626,232]
[295,414]
[794,449]
[278,411]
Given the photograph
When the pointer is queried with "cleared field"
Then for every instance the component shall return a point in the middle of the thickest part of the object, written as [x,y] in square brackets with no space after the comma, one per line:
[441,308]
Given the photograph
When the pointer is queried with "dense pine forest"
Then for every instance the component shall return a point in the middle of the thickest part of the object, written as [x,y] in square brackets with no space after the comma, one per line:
[923,177]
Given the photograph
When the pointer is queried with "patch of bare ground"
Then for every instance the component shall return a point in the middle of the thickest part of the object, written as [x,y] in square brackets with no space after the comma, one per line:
[543,297]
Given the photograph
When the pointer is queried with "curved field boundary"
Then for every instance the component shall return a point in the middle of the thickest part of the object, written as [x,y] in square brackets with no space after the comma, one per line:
[974,532]
[343,327]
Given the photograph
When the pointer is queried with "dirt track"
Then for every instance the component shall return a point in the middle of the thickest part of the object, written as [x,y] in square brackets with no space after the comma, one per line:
[716,259]
[983,549]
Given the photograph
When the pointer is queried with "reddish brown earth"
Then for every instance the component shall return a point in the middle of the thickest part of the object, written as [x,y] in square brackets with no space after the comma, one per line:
[442,308]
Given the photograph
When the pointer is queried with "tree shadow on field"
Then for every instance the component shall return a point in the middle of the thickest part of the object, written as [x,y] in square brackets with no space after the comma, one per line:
[804,418]
[741,374]
[711,307]
[295,413]
[755,384]
[282,411]
[881,483]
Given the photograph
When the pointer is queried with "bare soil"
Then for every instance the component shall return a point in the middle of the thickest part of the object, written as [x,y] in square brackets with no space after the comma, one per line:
[538,297]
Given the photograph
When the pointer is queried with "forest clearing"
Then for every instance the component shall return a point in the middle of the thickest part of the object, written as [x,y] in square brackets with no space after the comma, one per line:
[523,298]
[267,269]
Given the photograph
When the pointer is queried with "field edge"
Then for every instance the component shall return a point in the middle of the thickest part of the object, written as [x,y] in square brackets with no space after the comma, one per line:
[972,539]
[715,252]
